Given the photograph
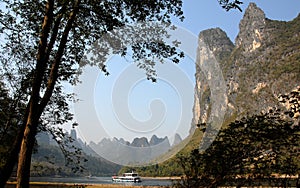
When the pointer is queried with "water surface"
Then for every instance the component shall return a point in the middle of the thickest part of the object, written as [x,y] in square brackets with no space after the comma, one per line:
[100,180]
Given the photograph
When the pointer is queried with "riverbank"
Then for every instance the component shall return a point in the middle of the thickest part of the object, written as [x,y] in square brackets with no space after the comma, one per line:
[162,178]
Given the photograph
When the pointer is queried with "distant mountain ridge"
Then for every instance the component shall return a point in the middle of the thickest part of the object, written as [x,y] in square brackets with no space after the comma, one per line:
[141,141]
[49,160]
[118,150]
[137,142]
[139,151]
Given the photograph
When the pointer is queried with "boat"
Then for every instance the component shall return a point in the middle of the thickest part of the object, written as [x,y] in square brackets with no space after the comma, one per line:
[127,177]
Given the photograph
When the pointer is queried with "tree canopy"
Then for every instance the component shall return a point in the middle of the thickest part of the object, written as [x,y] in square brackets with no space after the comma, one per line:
[44,42]
[258,150]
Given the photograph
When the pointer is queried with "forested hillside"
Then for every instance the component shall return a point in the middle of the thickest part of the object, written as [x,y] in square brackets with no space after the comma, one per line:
[262,65]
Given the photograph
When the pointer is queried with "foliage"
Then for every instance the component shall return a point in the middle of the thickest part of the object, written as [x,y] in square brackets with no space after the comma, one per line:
[227,5]
[285,42]
[251,151]
[169,167]
[166,169]
[44,42]
[10,115]
[49,160]
[4,130]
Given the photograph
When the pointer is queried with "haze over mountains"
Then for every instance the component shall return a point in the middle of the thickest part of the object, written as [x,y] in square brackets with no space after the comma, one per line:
[140,150]
[263,62]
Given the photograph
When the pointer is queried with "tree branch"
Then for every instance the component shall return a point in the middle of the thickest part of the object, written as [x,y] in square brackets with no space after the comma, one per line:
[41,63]
[55,65]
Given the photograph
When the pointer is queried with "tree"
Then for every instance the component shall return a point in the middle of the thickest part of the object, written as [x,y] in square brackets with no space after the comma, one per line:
[45,41]
[11,113]
[228,5]
[7,119]
[253,150]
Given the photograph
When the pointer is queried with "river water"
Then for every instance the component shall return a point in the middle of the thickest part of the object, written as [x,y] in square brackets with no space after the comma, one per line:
[100,180]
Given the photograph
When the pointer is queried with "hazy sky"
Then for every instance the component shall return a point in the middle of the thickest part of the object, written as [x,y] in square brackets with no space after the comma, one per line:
[126,105]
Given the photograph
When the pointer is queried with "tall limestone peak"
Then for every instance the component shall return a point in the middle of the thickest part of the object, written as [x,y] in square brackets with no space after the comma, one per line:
[155,140]
[263,63]
[177,139]
[140,142]
[217,41]
[252,29]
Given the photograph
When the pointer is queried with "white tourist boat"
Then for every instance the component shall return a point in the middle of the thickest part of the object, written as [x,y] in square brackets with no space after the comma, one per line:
[127,177]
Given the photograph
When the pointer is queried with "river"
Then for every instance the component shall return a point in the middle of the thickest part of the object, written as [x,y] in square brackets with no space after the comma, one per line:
[101,180]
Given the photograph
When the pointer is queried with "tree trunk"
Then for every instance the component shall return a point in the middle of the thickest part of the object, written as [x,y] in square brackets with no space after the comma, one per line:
[36,108]
[23,172]
[34,113]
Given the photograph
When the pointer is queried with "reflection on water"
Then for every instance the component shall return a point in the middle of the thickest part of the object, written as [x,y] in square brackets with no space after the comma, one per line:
[100,180]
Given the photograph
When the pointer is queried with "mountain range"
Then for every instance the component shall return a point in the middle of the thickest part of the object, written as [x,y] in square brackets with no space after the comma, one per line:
[139,151]
[241,78]
[262,63]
